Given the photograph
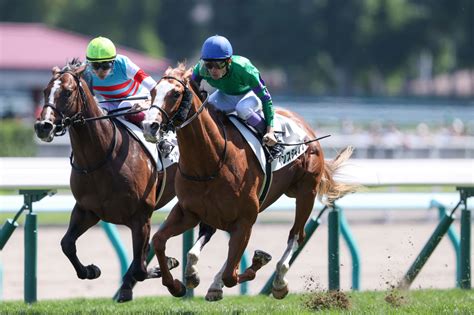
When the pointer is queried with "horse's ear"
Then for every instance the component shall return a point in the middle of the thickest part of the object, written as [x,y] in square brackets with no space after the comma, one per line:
[168,71]
[188,74]
[81,69]
[55,71]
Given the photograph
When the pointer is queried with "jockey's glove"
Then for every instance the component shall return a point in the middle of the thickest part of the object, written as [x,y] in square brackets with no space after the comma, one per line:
[269,139]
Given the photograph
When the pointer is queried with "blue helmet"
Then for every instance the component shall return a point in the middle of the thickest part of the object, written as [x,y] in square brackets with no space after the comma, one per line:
[216,47]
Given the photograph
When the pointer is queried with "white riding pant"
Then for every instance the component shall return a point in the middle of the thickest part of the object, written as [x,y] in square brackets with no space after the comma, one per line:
[245,104]
[120,104]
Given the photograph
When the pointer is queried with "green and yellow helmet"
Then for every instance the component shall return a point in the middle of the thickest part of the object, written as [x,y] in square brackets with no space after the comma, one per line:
[101,49]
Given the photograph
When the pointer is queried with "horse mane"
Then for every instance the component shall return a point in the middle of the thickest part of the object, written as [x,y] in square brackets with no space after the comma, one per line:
[181,72]
[72,65]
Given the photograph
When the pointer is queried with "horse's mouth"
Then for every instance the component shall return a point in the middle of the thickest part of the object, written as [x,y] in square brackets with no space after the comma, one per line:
[150,138]
[47,138]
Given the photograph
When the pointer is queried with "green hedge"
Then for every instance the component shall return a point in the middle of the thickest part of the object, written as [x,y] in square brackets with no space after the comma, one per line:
[16,138]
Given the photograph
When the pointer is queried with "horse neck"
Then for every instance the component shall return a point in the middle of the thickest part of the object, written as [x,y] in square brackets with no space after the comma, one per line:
[93,138]
[201,143]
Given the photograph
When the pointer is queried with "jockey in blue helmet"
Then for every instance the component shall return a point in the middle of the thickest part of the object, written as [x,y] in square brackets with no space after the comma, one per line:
[239,87]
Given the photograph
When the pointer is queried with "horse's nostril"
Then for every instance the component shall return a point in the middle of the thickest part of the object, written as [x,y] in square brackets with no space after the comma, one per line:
[47,126]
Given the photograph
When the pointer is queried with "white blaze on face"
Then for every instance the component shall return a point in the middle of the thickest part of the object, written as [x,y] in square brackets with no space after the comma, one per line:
[161,90]
[49,110]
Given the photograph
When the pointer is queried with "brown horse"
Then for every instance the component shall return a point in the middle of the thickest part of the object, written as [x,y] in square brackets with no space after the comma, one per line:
[113,178]
[219,181]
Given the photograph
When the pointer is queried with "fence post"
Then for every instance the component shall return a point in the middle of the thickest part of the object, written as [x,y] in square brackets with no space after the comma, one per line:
[354,250]
[31,257]
[453,237]
[333,249]
[188,241]
[31,241]
[427,250]
[465,238]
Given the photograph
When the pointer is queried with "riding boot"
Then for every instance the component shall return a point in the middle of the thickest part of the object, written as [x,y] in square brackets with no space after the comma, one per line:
[256,121]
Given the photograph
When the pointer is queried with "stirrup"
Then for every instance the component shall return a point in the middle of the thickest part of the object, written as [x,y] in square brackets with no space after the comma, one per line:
[275,152]
[165,147]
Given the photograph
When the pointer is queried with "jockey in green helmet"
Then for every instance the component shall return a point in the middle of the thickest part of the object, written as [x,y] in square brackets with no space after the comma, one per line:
[112,77]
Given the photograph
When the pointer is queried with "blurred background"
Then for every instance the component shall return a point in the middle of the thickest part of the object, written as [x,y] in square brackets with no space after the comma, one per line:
[394,78]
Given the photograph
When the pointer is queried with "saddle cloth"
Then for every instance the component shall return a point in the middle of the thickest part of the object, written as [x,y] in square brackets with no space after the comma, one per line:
[152,148]
[286,129]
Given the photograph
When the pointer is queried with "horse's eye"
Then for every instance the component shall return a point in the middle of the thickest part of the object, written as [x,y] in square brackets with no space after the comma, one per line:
[67,93]
[176,94]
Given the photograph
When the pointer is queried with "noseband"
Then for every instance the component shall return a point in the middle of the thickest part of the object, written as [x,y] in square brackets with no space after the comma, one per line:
[178,120]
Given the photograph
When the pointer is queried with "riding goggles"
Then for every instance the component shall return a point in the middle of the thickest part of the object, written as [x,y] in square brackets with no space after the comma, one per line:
[105,65]
[215,64]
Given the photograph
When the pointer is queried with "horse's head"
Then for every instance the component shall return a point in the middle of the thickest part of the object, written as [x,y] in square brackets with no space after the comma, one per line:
[60,97]
[172,103]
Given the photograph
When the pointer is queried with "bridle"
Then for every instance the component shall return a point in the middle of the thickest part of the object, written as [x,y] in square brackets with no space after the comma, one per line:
[79,119]
[179,120]
[66,121]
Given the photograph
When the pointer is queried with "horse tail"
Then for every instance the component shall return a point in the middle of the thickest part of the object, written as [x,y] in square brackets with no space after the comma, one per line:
[329,189]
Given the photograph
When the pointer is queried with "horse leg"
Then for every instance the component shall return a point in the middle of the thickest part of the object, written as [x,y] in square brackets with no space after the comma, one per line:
[191,275]
[304,206]
[260,259]
[176,223]
[137,270]
[81,220]
[280,284]
[214,293]
[239,238]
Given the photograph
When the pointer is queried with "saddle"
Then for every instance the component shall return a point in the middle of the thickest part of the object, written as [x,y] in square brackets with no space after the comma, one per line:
[286,130]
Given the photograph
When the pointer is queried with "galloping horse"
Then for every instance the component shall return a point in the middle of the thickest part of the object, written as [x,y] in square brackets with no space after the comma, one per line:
[219,180]
[113,178]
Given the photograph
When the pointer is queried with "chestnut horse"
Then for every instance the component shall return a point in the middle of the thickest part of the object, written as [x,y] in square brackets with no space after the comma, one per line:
[113,178]
[219,180]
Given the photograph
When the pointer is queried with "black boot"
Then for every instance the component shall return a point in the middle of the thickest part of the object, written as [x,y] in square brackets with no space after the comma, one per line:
[165,147]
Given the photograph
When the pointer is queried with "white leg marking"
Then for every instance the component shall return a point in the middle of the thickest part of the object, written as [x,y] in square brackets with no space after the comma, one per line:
[218,284]
[193,257]
[284,264]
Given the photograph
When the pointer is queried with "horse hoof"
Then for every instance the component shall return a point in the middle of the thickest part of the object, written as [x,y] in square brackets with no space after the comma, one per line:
[178,289]
[214,295]
[230,282]
[192,281]
[155,272]
[125,295]
[172,262]
[93,272]
[280,293]
[261,256]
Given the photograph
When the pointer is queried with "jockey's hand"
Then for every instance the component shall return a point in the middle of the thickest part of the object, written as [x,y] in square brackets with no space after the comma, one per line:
[269,138]
[138,106]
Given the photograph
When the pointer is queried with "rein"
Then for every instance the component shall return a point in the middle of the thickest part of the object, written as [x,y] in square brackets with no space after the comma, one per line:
[304,142]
